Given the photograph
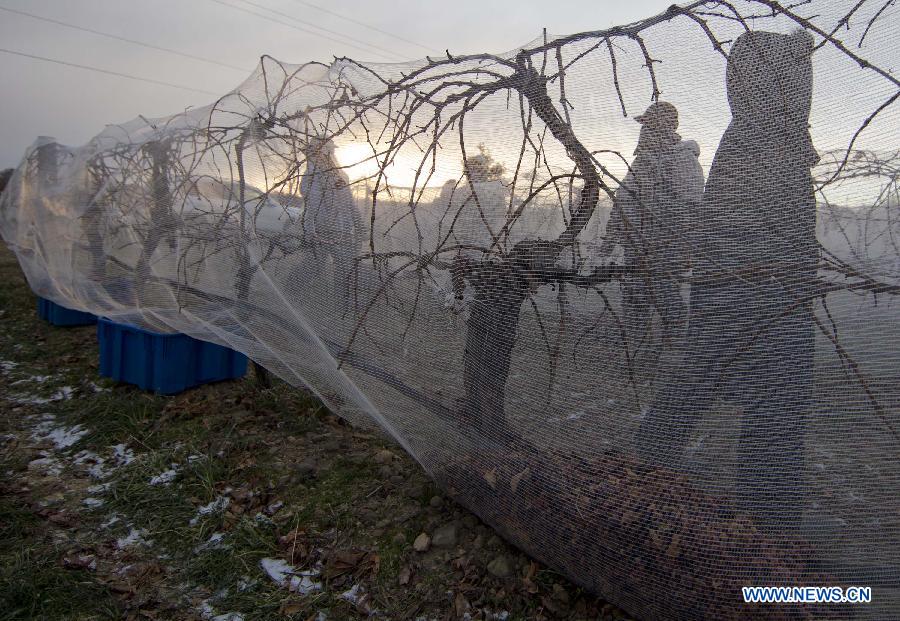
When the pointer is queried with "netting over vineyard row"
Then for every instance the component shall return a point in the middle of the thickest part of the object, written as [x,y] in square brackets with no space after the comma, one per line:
[631,295]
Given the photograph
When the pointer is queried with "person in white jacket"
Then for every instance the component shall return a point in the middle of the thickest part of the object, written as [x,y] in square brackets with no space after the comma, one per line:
[651,220]
[482,206]
[476,209]
[331,224]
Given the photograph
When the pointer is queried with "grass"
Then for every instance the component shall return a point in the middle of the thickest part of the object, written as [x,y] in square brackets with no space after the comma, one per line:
[33,584]
[36,587]
[293,480]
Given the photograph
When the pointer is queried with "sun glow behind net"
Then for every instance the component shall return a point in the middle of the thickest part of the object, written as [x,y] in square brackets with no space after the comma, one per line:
[361,163]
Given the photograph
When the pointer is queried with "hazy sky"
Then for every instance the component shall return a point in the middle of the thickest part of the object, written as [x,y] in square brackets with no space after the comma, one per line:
[73,104]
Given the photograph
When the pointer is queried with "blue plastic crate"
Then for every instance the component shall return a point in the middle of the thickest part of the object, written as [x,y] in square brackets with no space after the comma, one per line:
[164,363]
[62,316]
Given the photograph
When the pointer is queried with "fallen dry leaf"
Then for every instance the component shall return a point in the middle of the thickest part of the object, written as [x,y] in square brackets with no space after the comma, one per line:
[356,562]
[461,606]
[80,561]
[290,608]
[672,550]
[405,576]
[517,478]
[61,518]
[491,477]
[289,539]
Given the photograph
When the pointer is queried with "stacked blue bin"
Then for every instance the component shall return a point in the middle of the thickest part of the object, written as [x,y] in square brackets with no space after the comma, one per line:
[164,363]
[61,316]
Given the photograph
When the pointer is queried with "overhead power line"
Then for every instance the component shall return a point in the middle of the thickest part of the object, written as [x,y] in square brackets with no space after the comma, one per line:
[364,25]
[125,39]
[299,28]
[322,28]
[108,72]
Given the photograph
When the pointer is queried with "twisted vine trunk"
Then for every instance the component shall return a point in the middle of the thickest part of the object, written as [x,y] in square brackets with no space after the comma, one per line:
[502,286]
[246,269]
[161,220]
[491,334]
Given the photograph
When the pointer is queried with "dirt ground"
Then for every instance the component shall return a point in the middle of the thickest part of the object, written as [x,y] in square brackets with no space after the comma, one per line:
[228,502]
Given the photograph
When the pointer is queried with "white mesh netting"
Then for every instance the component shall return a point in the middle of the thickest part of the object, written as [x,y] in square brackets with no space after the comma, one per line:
[655,347]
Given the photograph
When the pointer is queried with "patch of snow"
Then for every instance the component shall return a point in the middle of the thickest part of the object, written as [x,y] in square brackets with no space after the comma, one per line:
[166,477]
[135,537]
[34,379]
[216,506]
[122,455]
[96,387]
[62,394]
[85,456]
[214,542]
[113,519]
[97,468]
[100,468]
[92,503]
[208,612]
[23,399]
[100,488]
[277,569]
[61,436]
[503,615]
[354,596]
[7,365]
[300,582]
[124,570]
[29,400]
[98,471]
[50,465]
[245,583]
[304,584]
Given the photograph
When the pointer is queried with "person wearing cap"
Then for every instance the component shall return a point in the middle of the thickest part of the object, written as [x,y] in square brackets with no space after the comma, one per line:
[651,221]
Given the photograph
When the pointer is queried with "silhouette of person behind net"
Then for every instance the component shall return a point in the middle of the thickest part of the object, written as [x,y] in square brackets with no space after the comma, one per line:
[5,176]
[651,221]
[331,223]
[751,338]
